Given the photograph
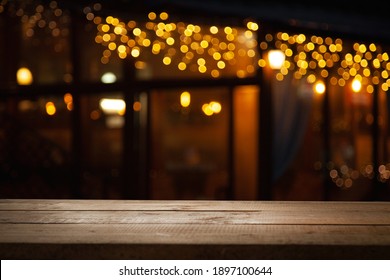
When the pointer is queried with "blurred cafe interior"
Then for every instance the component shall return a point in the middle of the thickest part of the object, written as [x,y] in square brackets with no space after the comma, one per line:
[215,100]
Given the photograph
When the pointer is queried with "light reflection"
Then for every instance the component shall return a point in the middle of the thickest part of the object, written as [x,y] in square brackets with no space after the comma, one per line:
[345,176]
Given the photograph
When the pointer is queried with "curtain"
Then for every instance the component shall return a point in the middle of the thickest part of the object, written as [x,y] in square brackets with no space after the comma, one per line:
[292,102]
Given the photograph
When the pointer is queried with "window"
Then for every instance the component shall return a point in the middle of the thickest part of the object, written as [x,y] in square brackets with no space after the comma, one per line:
[115,104]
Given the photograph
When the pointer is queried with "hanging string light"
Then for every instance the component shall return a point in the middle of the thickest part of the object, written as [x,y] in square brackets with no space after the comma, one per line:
[369,65]
[41,19]
[317,57]
[213,50]
[313,57]
[186,46]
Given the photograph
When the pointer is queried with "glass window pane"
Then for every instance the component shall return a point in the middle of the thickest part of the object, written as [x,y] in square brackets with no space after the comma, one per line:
[298,140]
[45,33]
[384,145]
[102,120]
[36,148]
[98,63]
[351,146]
[189,129]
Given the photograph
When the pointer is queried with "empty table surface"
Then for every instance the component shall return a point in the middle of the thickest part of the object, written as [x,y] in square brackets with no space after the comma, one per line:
[196,229]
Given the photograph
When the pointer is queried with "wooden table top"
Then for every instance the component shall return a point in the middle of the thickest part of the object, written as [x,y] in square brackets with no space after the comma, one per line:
[199,229]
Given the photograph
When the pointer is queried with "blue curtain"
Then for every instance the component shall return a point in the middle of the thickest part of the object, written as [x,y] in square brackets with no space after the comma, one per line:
[292,102]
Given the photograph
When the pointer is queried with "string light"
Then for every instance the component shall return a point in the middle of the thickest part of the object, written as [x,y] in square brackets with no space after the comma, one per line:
[45,18]
[317,58]
[220,46]
[213,50]
[186,46]
[24,76]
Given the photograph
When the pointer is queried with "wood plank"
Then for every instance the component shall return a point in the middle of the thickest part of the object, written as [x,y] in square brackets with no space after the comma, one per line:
[187,205]
[193,229]
[200,234]
[316,216]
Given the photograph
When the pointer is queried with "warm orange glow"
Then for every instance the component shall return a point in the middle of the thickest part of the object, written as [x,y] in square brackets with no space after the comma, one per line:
[167,60]
[182,66]
[94,115]
[121,48]
[50,108]
[207,110]
[185,99]
[108,78]
[24,76]
[356,85]
[137,106]
[164,16]
[214,107]
[140,65]
[113,106]
[215,73]
[276,59]
[68,98]
[152,16]
[252,26]
[212,49]
[202,69]
[319,87]
[214,30]
[180,42]
[135,52]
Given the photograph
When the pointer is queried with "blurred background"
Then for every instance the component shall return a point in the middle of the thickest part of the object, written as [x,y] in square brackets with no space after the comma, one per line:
[236,100]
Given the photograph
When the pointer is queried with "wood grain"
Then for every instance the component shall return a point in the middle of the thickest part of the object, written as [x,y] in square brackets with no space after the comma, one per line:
[40,228]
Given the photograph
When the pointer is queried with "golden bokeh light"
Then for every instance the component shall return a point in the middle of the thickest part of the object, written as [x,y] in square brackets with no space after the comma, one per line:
[209,109]
[50,108]
[356,85]
[180,44]
[319,87]
[112,106]
[24,76]
[276,59]
[222,48]
[185,99]
[137,106]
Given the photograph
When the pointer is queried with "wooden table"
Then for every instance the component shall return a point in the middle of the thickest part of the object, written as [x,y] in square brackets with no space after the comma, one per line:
[176,229]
